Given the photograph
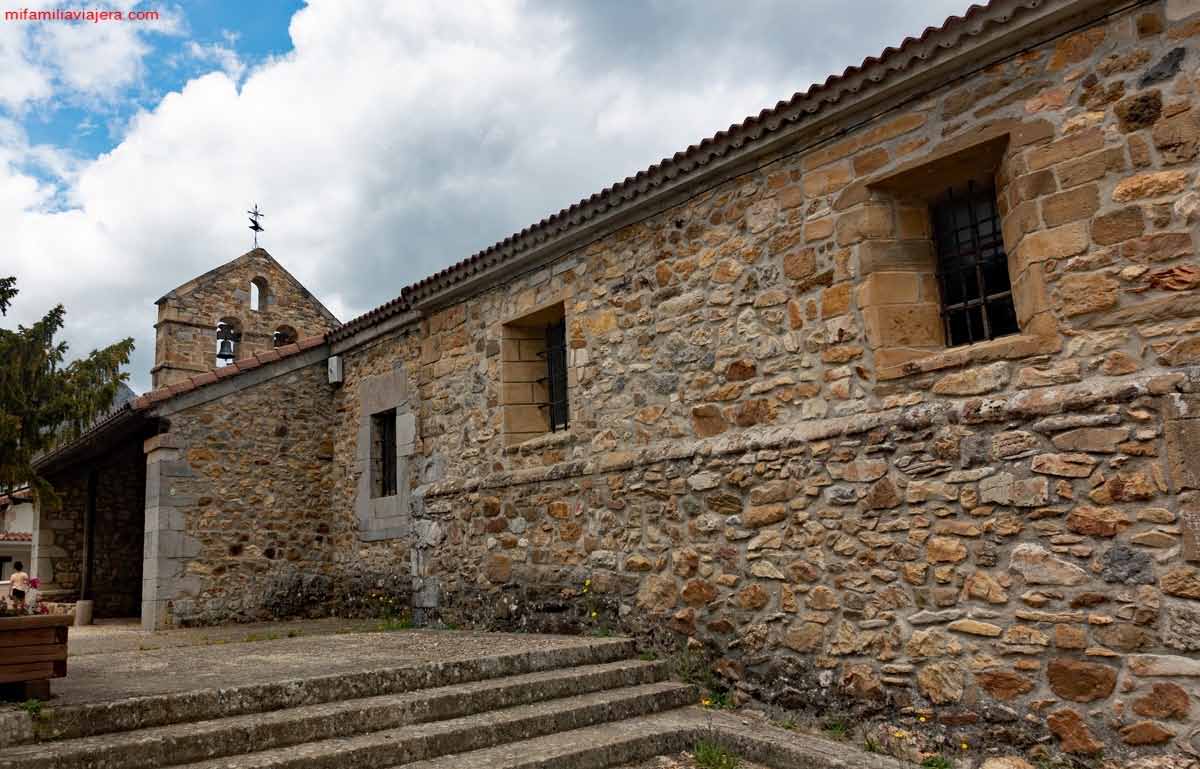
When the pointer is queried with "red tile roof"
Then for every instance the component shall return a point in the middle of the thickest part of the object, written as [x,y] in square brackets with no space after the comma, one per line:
[143,402]
[16,536]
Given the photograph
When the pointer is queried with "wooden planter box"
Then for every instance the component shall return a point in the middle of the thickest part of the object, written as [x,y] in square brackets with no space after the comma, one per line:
[32,651]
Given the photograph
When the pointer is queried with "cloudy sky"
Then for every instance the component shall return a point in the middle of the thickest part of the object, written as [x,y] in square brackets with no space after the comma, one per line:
[383,138]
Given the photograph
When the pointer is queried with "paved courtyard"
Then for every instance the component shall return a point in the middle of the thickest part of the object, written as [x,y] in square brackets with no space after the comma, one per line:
[115,661]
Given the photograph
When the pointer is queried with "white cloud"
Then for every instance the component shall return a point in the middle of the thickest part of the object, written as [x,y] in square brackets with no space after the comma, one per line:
[88,62]
[395,139]
[225,58]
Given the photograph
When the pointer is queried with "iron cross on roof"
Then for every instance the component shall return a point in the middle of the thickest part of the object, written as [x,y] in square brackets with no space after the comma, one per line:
[255,215]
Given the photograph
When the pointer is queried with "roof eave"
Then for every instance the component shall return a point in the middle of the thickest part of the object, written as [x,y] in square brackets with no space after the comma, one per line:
[961,46]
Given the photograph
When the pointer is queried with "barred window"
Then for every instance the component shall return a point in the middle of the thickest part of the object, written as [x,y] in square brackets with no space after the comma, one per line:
[976,295]
[534,374]
[556,374]
[383,454]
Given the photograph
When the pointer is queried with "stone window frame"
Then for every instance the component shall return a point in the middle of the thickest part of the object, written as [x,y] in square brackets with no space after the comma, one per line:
[260,284]
[384,517]
[898,292]
[522,336]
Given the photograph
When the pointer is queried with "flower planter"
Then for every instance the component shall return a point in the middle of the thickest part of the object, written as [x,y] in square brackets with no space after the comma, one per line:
[32,651]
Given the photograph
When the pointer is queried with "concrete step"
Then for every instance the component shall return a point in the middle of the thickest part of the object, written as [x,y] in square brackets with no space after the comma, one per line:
[593,747]
[419,742]
[74,721]
[182,743]
[634,740]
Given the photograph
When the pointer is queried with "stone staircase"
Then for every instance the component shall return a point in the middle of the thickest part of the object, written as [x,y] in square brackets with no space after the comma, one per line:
[585,707]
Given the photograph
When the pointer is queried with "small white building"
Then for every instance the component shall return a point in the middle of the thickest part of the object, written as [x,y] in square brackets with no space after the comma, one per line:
[16,533]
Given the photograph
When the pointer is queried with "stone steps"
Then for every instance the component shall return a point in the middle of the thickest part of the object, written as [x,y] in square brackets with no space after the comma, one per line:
[419,742]
[593,747]
[587,707]
[85,720]
[181,743]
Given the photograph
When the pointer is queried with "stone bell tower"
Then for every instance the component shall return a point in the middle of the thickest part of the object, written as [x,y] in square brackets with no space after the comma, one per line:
[255,302]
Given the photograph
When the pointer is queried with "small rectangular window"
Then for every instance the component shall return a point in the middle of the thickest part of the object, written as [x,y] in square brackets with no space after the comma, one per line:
[383,454]
[976,294]
[556,374]
[534,374]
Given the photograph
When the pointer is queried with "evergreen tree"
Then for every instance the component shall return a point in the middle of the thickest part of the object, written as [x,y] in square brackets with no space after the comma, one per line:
[44,402]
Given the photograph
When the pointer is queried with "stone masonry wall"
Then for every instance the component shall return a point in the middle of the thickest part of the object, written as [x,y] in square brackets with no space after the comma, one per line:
[771,451]
[117,556]
[185,342]
[254,490]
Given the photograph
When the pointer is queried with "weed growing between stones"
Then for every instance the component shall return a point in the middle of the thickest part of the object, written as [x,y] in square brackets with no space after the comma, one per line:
[836,728]
[692,667]
[937,762]
[33,708]
[712,755]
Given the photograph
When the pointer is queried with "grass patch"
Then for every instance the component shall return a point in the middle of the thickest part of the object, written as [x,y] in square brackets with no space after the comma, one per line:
[937,762]
[256,637]
[871,745]
[391,624]
[649,655]
[710,755]
[836,729]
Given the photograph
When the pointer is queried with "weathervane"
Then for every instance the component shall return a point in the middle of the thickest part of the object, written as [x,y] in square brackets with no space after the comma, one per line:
[255,215]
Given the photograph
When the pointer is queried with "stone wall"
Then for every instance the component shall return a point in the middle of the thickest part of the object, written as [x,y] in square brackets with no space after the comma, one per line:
[368,539]
[773,453]
[241,499]
[117,541]
[185,341]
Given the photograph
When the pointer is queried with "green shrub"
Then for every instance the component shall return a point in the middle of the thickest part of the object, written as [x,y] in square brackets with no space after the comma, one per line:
[937,762]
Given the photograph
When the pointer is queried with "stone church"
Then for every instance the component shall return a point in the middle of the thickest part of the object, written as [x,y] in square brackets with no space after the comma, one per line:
[886,397]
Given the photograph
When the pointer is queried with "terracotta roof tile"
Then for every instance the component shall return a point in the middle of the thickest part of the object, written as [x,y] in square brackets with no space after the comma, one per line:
[225,372]
[203,379]
[310,342]
[16,536]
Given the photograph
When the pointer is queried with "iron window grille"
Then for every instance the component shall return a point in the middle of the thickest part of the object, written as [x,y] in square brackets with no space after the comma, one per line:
[556,375]
[976,294]
[383,428]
